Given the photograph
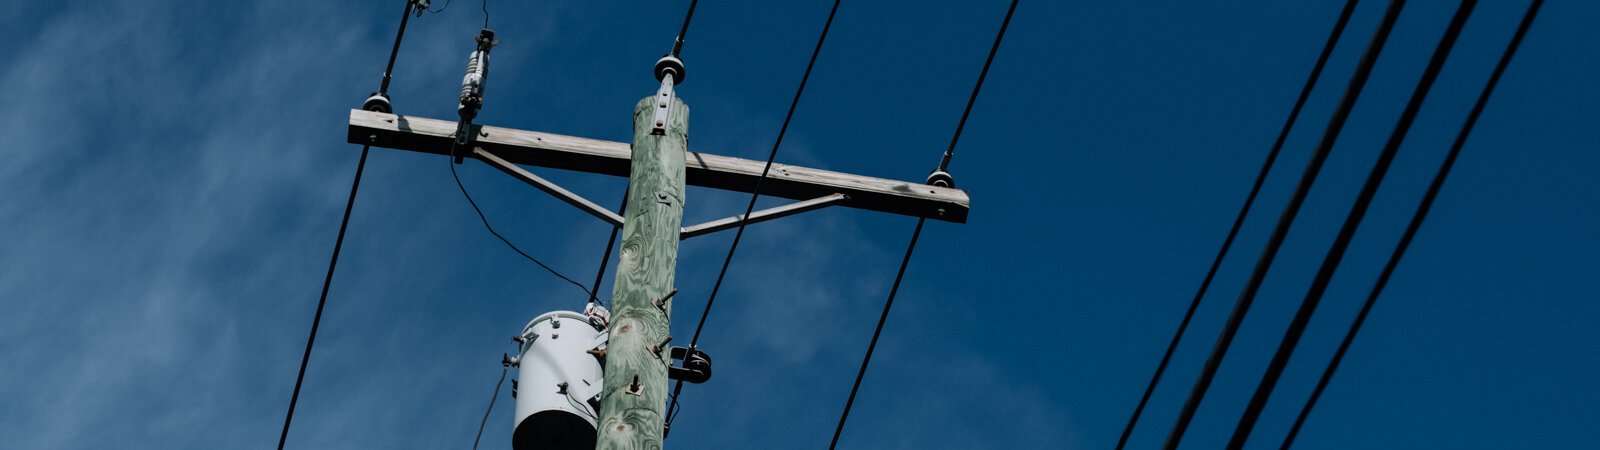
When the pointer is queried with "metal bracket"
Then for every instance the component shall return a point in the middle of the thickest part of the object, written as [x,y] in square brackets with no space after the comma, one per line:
[548,187]
[664,98]
[762,215]
[696,365]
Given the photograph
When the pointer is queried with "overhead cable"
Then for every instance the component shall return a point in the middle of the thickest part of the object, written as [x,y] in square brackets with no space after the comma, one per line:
[1341,114]
[1347,231]
[344,223]
[1238,221]
[756,192]
[1417,218]
[916,233]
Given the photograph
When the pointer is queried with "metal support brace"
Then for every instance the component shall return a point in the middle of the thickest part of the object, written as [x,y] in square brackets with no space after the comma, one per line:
[664,97]
[763,215]
[548,187]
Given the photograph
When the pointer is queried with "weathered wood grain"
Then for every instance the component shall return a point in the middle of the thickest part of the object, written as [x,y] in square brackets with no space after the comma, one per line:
[702,169]
[634,401]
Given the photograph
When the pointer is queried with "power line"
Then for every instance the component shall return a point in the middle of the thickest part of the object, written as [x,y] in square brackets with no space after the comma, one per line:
[1347,231]
[877,331]
[485,219]
[1417,218]
[605,258]
[1358,81]
[944,163]
[1238,221]
[316,321]
[490,409]
[344,223]
[677,44]
[756,193]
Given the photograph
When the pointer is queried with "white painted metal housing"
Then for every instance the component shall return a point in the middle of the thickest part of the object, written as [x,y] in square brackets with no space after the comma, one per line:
[558,382]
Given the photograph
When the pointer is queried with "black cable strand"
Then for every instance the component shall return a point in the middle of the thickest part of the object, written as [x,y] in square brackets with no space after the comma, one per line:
[1358,82]
[496,234]
[1417,218]
[1347,231]
[876,332]
[486,13]
[338,243]
[441,8]
[944,161]
[677,45]
[756,193]
[605,258]
[316,320]
[1238,221]
[492,398]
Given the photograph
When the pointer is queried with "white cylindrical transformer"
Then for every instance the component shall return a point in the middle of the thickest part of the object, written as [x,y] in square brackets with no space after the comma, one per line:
[558,382]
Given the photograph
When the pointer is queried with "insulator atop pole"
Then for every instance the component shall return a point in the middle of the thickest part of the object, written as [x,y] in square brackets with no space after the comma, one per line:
[472,85]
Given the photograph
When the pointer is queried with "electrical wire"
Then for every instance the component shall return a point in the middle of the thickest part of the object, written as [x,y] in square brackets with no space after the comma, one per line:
[944,161]
[756,193]
[916,233]
[876,332]
[492,397]
[1341,113]
[1347,231]
[486,13]
[677,44]
[316,321]
[338,242]
[1417,219]
[1238,221]
[605,258]
[485,219]
[441,8]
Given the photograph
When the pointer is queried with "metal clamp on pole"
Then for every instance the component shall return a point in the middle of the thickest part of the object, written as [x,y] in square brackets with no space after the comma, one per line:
[696,366]
[472,88]
[670,71]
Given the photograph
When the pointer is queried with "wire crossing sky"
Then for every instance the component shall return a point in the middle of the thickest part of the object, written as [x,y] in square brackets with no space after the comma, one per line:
[176,174]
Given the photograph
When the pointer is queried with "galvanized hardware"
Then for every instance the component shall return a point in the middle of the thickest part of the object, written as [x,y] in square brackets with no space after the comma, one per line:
[635,388]
[561,388]
[655,350]
[661,303]
[670,71]
[696,365]
[420,6]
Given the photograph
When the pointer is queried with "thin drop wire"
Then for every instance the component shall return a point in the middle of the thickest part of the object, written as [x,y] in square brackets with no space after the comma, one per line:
[492,397]
[1417,219]
[441,8]
[1347,231]
[1341,114]
[1238,220]
[756,193]
[503,239]
[605,258]
[486,13]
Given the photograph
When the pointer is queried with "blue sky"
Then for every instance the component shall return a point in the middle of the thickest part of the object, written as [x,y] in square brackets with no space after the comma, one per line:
[175,171]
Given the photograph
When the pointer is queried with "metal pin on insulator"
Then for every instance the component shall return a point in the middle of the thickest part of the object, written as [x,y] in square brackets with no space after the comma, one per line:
[670,71]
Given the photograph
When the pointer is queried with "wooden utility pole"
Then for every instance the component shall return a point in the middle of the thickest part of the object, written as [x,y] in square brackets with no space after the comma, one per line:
[659,166]
[633,404]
